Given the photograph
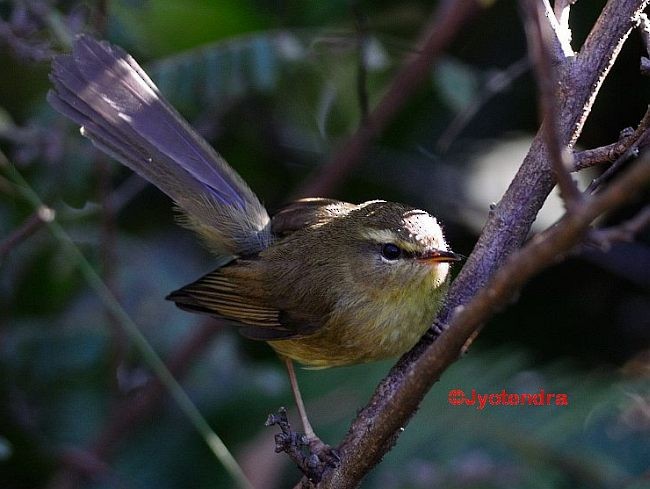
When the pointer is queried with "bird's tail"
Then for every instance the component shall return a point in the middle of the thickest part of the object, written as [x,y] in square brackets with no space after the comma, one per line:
[102,88]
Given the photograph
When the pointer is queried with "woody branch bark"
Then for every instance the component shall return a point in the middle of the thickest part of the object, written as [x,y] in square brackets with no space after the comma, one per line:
[471,300]
[445,24]
[540,39]
[542,251]
[629,144]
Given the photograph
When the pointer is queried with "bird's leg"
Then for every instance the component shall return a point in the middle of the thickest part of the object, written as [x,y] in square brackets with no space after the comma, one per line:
[309,453]
[306,425]
[324,452]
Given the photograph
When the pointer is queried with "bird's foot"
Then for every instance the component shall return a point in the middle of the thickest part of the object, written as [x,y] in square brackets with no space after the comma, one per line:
[325,453]
[311,455]
[436,329]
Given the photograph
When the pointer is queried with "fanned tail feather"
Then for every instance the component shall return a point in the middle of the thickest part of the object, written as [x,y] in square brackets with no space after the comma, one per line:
[102,88]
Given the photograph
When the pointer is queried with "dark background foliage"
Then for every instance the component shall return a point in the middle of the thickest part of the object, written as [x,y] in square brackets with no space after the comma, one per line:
[274,87]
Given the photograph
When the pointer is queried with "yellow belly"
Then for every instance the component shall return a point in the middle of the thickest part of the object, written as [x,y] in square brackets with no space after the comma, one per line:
[365,331]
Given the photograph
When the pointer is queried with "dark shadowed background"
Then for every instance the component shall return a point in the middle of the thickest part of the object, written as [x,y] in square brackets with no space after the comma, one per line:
[277,87]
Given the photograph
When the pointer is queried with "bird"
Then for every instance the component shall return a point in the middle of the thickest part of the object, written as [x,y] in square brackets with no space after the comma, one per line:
[325,283]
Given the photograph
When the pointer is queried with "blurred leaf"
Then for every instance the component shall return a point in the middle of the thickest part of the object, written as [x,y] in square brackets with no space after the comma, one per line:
[166,26]
[456,82]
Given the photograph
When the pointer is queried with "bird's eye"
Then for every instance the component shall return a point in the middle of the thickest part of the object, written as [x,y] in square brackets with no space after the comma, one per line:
[390,251]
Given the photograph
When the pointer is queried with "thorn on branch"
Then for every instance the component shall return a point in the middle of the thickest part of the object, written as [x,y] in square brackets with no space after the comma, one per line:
[311,459]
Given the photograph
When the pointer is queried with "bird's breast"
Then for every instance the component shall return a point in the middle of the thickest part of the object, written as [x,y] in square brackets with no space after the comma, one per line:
[362,329]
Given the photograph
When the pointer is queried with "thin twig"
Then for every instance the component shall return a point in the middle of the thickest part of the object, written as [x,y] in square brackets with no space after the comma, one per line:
[618,163]
[130,413]
[99,17]
[602,155]
[539,39]
[629,140]
[631,152]
[607,36]
[125,193]
[625,231]
[447,22]
[579,81]
[494,85]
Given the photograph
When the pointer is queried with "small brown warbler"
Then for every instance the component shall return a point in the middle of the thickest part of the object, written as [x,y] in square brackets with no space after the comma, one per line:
[324,282]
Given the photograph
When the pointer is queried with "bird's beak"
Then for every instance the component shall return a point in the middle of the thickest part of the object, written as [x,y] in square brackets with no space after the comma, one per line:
[439,256]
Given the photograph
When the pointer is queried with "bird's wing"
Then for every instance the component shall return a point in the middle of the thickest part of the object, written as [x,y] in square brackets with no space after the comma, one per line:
[234,292]
[307,213]
[120,109]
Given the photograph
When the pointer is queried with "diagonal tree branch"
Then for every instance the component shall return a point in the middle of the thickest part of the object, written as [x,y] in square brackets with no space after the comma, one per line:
[378,425]
[579,80]
[383,420]
[539,40]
